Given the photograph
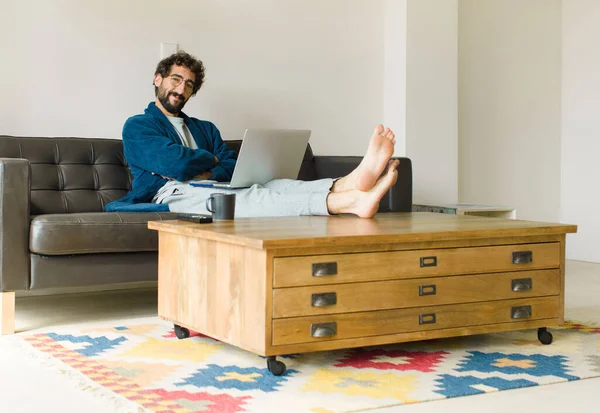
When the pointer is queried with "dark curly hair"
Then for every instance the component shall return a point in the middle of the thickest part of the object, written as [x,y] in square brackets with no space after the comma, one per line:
[181,58]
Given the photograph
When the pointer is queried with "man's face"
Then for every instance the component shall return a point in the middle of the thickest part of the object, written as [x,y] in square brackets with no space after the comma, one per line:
[175,89]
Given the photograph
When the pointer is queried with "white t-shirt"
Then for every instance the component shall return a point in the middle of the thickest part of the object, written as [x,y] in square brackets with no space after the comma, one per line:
[184,133]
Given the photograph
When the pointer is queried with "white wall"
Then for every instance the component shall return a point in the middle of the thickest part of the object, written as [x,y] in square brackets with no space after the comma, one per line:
[394,71]
[80,68]
[431,99]
[580,197]
[510,105]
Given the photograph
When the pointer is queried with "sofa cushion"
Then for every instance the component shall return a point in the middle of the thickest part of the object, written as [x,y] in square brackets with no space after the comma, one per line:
[88,233]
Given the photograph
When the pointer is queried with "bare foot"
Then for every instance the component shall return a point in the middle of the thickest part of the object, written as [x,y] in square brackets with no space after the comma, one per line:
[379,152]
[363,203]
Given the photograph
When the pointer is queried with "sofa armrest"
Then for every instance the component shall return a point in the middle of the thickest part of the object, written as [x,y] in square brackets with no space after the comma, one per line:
[14,224]
[398,198]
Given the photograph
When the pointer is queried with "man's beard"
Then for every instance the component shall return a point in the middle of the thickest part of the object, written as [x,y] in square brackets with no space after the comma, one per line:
[163,98]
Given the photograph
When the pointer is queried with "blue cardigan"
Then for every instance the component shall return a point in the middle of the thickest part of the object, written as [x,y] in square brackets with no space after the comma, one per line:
[151,145]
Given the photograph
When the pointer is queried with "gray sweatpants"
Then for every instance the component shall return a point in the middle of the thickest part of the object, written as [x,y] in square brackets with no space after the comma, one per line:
[279,197]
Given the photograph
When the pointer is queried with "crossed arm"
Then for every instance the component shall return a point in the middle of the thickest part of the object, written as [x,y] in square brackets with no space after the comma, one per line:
[149,149]
[200,176]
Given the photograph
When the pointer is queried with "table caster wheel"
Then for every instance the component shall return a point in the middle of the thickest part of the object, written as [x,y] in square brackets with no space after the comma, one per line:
[181,332]
[277,368]
[544,335]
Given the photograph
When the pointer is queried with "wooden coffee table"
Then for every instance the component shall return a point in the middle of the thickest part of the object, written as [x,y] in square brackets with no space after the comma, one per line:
[277,286]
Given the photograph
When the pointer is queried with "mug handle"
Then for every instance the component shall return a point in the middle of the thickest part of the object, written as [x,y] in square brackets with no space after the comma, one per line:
[209,203]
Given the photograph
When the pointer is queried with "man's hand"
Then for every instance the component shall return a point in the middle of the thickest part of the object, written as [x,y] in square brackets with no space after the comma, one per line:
[199,177]
[163,177]
[203,176]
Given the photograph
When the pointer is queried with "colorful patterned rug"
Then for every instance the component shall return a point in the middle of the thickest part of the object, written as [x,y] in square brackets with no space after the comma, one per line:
[146,366]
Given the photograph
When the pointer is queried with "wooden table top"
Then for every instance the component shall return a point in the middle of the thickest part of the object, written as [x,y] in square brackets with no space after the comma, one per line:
[314,231]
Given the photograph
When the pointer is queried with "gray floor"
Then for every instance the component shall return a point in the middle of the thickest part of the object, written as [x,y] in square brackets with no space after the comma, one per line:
[54,389]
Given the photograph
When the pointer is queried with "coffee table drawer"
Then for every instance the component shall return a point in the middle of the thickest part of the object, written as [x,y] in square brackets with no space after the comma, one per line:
[385,295]
[374,323]
[342,268]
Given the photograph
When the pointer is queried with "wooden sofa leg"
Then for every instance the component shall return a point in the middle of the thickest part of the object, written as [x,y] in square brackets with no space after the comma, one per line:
[7,312]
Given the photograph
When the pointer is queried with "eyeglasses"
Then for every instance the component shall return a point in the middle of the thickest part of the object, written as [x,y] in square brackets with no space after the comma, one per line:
[176,81]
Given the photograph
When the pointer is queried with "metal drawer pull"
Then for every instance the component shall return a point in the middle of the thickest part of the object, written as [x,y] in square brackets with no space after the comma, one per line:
[323,330]
[427,290]
[426,319]
[523,311]
[428,262]
[522,257]
[522,284]
[324,268]
[324,299]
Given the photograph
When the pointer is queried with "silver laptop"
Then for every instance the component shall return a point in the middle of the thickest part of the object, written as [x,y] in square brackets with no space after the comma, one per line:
[266,154]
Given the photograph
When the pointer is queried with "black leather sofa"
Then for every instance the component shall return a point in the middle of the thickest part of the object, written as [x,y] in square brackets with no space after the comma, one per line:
[54,232]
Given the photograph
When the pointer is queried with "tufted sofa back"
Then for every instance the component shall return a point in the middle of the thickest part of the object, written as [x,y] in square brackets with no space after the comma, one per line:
[71,174]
